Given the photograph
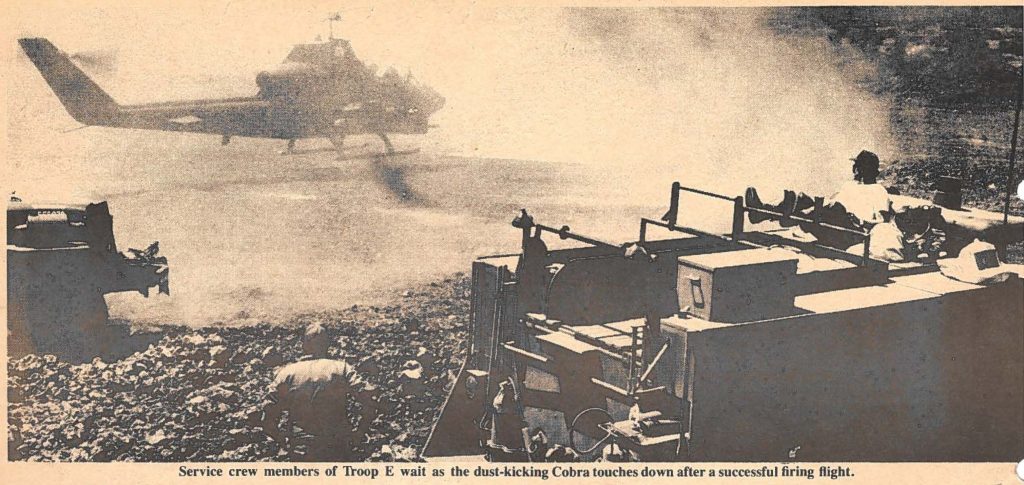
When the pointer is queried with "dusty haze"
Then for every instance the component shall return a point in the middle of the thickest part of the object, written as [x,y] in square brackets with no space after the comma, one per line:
[604,108]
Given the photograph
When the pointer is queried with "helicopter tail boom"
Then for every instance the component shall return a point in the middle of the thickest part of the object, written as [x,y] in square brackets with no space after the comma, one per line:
[84,100]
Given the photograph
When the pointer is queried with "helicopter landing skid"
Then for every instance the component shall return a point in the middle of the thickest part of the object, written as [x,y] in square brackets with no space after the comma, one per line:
[321,150]
[378,155]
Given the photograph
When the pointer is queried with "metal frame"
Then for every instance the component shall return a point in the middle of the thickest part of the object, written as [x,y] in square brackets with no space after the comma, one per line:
[740,210]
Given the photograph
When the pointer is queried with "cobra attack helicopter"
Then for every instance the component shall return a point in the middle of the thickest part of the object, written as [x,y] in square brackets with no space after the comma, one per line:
[320,90]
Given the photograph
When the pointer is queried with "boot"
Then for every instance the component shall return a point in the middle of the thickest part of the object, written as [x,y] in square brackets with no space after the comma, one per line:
[803,202]
[789,206]
[752,200]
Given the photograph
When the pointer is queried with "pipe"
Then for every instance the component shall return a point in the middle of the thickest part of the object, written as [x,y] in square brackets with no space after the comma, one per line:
[1010,169]
[565,233]
[738,216]
[704,192]
[509,346]
[632,360]
[689,230]
[657,358]
[499,301]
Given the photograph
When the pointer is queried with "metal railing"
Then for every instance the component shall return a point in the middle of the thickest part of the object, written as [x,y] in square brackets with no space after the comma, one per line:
[740,210]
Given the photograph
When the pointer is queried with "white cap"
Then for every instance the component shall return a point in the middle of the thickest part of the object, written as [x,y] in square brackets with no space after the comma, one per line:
[979,264]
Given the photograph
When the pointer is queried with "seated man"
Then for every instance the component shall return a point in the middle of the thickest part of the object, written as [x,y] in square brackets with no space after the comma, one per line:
[864,197]
[859,204]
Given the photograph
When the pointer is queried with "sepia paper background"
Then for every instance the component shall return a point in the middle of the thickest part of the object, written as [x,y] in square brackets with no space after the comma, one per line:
[191,49]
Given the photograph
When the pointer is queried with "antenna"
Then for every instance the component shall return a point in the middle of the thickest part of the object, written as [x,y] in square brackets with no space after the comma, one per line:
[331,20]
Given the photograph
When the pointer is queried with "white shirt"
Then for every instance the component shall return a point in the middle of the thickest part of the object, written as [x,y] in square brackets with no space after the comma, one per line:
[865,201]
[307,379]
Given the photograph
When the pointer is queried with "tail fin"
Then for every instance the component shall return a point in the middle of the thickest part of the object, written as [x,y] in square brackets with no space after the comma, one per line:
[84,99]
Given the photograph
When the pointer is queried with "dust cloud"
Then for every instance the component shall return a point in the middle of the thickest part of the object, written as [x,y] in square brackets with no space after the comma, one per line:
[711,97]
[584,116]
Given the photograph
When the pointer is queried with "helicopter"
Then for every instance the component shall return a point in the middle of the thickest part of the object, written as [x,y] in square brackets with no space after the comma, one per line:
[320,90]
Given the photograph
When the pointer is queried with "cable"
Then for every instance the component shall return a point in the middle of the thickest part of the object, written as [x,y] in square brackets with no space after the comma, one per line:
[572,432]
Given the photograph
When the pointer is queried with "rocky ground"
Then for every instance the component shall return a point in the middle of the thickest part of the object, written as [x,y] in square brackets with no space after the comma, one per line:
[972,143]
[197,394]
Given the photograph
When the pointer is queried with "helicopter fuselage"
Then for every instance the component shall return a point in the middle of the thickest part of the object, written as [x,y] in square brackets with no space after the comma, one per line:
[320,90]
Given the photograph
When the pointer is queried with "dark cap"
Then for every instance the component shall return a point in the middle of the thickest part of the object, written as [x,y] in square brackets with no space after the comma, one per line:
[865,157]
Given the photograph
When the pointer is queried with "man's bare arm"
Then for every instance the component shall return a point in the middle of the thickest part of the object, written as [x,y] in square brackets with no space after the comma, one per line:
[271,416]
[370,410]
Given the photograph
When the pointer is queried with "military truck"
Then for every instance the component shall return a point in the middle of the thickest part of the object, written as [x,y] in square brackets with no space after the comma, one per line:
[61,260]
[687,345]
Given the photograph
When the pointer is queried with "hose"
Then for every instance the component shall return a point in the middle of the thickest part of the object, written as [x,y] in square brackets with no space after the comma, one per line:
[572,432]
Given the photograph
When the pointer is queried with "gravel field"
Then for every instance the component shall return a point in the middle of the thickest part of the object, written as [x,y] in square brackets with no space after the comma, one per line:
[197,394]
[972,143]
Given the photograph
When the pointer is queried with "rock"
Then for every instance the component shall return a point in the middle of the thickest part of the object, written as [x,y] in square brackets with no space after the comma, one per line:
[368,368]
[198,400]
[240,357]
[411,325]
[222,378]
[156,437]
[270,357]
[15,394]
[195,354]
[220,356]
[411,382]
[425,358]
[411,370]
[254,417]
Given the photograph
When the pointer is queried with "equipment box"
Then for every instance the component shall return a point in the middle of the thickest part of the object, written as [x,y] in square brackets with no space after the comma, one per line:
[737,286]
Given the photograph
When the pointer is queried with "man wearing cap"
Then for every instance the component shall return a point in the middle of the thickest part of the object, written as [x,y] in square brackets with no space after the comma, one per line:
[316,393]
[859,204]
[864,197]
[911,234]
